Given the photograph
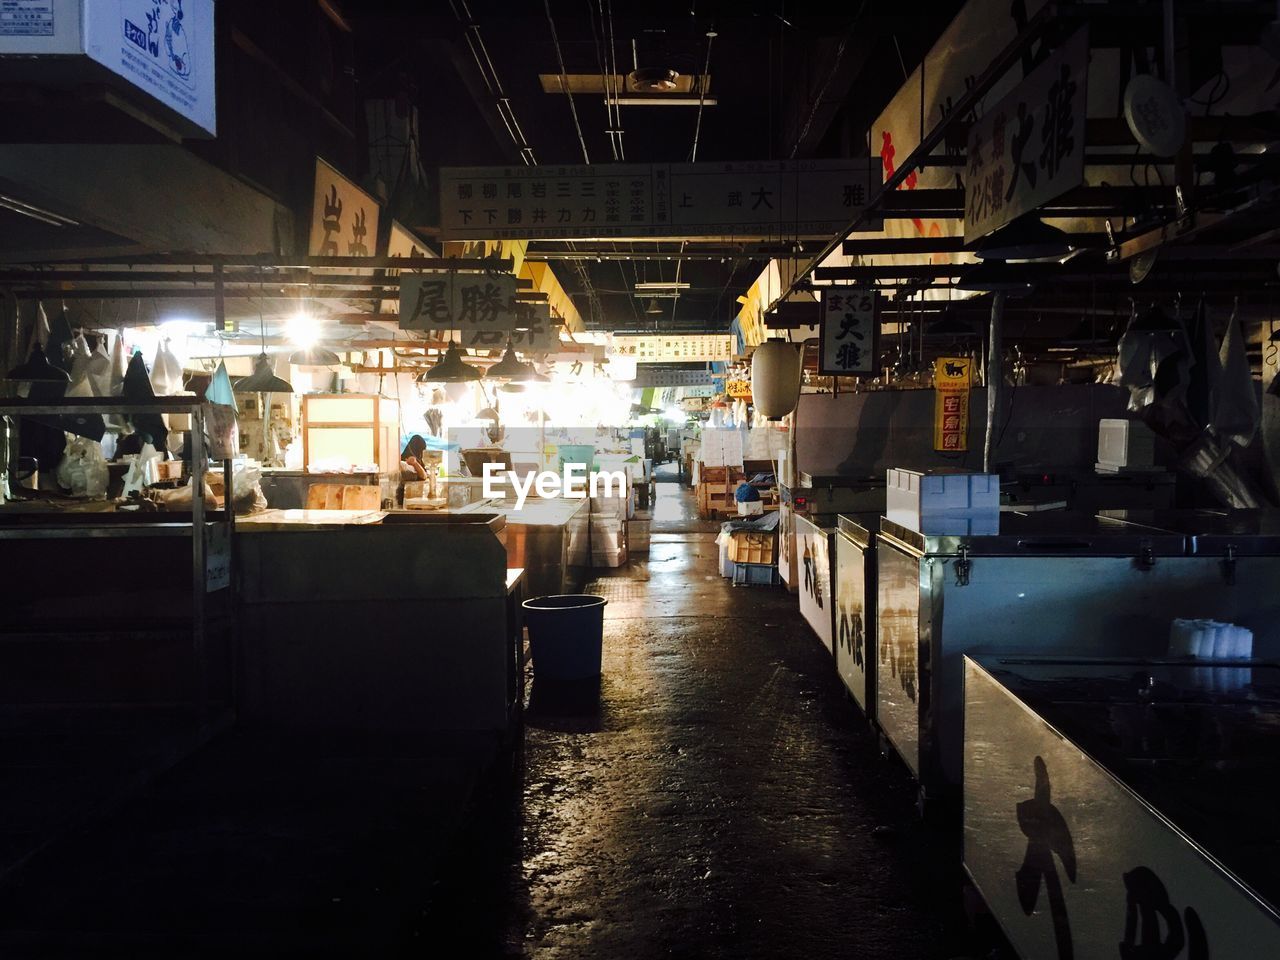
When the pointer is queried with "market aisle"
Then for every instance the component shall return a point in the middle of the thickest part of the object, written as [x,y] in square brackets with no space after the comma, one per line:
[722,802]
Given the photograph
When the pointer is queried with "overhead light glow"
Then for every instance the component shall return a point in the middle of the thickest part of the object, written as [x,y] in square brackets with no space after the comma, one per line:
[302,329]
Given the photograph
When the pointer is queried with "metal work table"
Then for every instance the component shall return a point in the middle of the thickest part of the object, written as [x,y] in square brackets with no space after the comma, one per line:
[1128,802]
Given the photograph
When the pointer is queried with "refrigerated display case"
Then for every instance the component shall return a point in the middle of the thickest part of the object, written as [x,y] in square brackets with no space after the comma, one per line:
[855,607]
[1048,583]
[1124,806]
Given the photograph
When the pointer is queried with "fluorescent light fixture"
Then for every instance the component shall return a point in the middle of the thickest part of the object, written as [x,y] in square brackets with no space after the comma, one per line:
[36,213]
[663,100]
[663,285]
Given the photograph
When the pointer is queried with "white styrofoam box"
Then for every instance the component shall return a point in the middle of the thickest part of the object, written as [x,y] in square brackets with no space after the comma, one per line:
[1126,443]
[609,558]
[912,496]
[981,524]
[750,508]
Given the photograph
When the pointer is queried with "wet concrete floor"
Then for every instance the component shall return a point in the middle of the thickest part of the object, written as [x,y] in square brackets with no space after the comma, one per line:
[725,800]
[717,796]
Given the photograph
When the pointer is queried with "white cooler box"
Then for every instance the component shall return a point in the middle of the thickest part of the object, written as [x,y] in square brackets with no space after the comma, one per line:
[914,499]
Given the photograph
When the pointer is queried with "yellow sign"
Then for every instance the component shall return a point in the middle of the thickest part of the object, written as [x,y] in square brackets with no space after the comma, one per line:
[401,243]
[952,378]
[739,389]
[344,219]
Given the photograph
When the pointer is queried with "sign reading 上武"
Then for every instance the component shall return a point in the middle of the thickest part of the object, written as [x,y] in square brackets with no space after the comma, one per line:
[762,200]
[952,377]
[532,331]
[675,348]
[466,302]
[849,332]
[344,219]
[1029,148]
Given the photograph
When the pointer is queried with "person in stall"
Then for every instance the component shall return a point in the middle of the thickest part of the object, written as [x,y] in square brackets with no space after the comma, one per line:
[411,466]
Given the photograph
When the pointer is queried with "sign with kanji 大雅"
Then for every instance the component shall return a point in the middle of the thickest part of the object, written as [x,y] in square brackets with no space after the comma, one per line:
[1029,148]
[451,300]
[952,377]
[760,200]
[849,332]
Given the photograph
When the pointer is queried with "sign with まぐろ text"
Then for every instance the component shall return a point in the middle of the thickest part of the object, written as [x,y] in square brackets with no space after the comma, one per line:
[761,200]
[1029,148]
[849,332]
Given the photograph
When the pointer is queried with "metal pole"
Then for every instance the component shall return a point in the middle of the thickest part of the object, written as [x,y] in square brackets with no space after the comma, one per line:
[993,377]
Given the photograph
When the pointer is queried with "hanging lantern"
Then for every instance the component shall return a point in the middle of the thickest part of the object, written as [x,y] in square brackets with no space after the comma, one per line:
[775,378]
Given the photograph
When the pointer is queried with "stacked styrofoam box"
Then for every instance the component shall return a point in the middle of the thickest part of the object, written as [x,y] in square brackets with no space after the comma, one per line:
[943,503]
[1125,445]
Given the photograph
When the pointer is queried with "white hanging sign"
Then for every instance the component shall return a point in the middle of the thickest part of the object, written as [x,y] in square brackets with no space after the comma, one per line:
[849,332]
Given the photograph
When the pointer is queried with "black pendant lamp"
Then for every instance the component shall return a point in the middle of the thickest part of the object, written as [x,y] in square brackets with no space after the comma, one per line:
[38,369]
[1026,240]
[263,379]
[510,367]
[452,369]
[314,356]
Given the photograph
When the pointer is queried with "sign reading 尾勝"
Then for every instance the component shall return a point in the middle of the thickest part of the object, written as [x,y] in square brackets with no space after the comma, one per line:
[163,47]
[531,332]
[464,302]
[952,378]
[1029,148]
[760,200]
[849,332]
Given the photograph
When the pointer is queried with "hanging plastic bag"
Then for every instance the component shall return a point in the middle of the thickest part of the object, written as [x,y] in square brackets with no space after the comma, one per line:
[98,371]
[83,469]
[80,357]
[1236,413]
[166,371]
[222,429]
[1154,360]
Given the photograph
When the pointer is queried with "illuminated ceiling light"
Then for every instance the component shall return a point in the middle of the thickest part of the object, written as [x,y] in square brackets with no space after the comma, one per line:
[452,369]
[314,357]
[663,285]
[302,329]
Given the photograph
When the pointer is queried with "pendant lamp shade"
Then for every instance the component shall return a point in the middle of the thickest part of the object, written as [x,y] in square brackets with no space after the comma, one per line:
[263,379]
[314,357]
[38,369]
[1026,240]
[452,369]
[509,367]
[775,378]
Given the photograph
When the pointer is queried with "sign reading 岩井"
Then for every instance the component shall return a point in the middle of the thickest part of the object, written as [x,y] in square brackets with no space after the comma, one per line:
[344,219]
[952,377]
[762,200]
[849,332]
[1029,148]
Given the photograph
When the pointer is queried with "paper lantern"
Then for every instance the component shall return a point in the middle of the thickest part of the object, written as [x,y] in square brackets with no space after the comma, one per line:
[775,378]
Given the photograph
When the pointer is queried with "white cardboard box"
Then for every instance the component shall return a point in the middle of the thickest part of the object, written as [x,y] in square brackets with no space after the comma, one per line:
[912,497]
[1126,443]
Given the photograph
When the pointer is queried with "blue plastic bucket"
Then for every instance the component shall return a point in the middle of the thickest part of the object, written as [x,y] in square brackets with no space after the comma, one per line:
[566,635]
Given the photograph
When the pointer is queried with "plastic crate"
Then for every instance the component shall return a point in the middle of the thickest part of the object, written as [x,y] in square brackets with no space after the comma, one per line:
[754,575]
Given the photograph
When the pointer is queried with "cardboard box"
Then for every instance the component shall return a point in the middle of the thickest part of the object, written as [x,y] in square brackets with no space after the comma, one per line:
[748,547]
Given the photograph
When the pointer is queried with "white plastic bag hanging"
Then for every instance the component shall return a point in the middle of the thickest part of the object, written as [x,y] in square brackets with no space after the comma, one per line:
[1236,413]
[166,371]
[99,371]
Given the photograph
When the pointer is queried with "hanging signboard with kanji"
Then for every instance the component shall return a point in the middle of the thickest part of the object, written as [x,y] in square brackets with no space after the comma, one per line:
[952,377]
[344,219]
[449,300]
[531,332]
[650,377]
[849,332]
[1029,148]
[751,200]
[674,348]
